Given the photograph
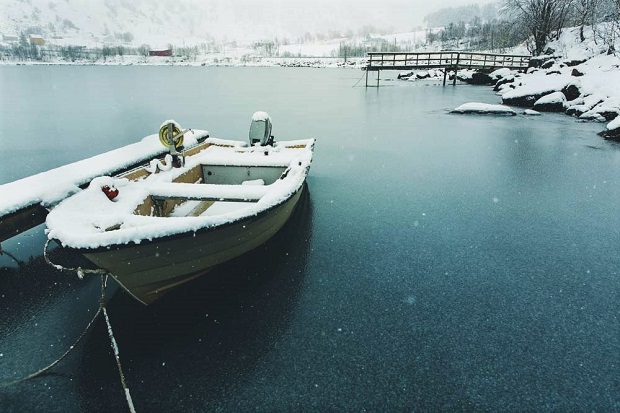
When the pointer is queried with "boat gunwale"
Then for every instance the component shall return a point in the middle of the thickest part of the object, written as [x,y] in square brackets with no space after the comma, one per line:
[133,244]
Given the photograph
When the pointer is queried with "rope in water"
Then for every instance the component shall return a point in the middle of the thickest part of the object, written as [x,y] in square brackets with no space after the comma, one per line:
[104,281]
[66,353]
[102,308]
[359,80]
[118,361]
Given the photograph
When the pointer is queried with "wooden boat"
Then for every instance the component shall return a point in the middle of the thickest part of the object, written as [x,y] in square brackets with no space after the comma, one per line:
[159,226]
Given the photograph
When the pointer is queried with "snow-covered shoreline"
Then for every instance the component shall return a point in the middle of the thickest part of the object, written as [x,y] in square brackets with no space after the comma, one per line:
[589,91]
[317,62]
[577,77]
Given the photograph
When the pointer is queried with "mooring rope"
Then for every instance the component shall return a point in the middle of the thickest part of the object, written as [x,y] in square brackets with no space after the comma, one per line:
[79,270]
[118,361]
[101,309]
[359,80]
[114,345]
[66,353]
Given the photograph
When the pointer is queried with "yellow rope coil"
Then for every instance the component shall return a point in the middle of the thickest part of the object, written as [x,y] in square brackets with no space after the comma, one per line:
[163,136]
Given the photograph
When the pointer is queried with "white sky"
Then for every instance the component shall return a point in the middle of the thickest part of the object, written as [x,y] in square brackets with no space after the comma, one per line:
[295,17]
[403,14]
[222,19]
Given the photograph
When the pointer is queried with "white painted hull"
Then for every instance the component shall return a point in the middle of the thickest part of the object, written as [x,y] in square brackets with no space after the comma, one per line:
[149,269]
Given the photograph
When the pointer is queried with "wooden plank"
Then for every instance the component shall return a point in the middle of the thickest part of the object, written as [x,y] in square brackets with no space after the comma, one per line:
[29,216]
[22,220]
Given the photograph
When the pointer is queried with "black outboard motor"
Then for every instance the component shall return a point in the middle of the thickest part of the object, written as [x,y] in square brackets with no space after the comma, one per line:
[260,129]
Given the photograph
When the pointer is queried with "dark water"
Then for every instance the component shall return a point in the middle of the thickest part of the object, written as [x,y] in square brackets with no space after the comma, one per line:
[440,262]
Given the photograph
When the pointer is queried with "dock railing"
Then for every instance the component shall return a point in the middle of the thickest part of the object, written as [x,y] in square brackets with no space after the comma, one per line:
[447,60]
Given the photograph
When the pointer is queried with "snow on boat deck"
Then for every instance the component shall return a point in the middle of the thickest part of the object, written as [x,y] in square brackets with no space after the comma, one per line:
[50,187]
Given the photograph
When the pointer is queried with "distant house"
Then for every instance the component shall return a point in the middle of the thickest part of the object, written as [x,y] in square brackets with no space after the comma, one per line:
[10,38]
[374,41]
[36,40]
[161,52]
[265,46]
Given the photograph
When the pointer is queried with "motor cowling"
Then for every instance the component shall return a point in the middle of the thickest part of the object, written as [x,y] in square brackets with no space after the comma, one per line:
[260,129]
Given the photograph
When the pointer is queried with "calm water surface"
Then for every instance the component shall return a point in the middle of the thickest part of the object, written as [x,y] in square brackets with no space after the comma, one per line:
[440,263]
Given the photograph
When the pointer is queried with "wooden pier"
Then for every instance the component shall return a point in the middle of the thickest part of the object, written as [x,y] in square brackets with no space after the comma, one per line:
[447,60]
[22,206]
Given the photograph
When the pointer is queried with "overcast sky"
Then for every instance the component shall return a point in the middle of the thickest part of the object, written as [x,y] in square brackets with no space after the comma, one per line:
[221,19]
[276,18]
[403,13]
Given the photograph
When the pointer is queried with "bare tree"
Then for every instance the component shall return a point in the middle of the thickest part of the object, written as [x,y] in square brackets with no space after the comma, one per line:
[586,14]
[542,19]
[608,11]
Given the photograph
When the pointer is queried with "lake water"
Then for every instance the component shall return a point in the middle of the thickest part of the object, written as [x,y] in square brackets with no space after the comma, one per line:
[440,263]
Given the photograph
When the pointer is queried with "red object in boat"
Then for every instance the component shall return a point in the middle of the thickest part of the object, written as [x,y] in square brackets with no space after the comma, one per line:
[111,193]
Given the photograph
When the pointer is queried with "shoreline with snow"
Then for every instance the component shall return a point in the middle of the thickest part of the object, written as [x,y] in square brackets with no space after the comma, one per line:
[588,89]
[318,62]
[578,78]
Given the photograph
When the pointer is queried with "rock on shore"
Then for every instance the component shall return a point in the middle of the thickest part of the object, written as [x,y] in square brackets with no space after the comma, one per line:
[583,81]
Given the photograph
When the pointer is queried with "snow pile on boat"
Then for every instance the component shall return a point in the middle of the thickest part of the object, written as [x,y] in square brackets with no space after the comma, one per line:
[89,219]
[484,108]
[260,116]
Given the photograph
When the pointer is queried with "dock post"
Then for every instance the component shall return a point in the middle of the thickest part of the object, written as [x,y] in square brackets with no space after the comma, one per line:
[445,74]
[368,67]
[456,68]
[378,72]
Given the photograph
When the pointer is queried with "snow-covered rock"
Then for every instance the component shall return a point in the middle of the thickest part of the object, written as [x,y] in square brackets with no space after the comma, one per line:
[613,129]
[577,110]
[499,73]
[484,108]
[479,78]
[534,86]
[572,90]
[553,102]
[531,112]
[503,82]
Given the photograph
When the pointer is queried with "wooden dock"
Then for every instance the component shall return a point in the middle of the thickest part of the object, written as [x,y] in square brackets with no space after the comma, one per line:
[24,203]
[447,60]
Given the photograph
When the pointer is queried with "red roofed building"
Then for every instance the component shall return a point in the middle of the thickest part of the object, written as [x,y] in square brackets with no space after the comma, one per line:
[164,52]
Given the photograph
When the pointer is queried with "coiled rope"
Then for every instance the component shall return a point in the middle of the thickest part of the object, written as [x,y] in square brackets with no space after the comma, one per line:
[102,309]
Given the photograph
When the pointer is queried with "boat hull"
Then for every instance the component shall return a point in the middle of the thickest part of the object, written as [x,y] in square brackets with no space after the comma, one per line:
[151,268]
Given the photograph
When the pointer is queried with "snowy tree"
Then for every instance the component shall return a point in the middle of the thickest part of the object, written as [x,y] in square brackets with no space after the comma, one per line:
[606,11]
[585,14]
[543,19]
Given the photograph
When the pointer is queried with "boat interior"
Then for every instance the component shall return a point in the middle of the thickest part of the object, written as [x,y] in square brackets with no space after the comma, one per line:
[232,187]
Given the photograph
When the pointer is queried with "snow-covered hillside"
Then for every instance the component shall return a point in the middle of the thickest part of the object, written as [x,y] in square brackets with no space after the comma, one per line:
[189,22]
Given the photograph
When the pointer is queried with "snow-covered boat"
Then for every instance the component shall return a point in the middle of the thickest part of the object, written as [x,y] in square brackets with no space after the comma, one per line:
[164,224]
